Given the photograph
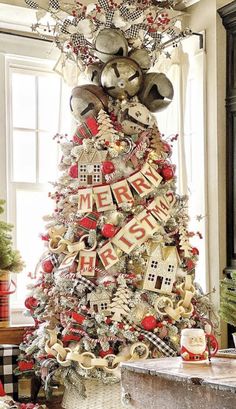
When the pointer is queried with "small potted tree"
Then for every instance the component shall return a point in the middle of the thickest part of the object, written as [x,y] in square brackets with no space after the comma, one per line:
[10,262]
[228,300]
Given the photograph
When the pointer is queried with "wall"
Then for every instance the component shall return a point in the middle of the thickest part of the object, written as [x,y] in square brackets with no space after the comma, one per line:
[207,18]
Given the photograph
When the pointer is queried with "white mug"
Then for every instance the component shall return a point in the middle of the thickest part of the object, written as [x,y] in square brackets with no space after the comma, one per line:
[194,345]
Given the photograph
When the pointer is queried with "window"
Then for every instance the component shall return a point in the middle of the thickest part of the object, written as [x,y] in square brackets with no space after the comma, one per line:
[104,306]
[96,168]
[36,98]
[151,277]
[83,168]
[168,281]
[171,268]
[154,264]
[83,178]
[96,178]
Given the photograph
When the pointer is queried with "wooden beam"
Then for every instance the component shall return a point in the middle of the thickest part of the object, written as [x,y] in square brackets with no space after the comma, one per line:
[11,335]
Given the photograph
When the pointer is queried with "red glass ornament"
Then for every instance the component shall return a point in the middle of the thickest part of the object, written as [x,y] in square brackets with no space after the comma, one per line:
[108,230]
[102,353]
[107,167]
[73,171]
[47,266]
[195,251]
[167,172]
[31,303]
[149,323]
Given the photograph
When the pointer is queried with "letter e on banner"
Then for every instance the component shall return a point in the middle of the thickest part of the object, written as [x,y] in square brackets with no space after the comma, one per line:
[108,256]
[85,201]
[103,198]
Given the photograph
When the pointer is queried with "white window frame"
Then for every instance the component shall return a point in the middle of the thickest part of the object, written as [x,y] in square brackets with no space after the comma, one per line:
[18,53]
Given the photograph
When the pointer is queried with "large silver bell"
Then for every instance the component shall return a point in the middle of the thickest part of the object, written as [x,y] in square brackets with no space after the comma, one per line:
[87,100]
[93,73]
[109,44]
[121,77]
[157,91]
[142,57]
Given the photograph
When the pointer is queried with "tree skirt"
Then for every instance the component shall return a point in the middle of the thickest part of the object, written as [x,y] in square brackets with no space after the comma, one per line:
[99,396]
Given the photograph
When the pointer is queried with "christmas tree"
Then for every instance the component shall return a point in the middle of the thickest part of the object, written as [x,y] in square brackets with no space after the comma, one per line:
[10,259]
[117,282]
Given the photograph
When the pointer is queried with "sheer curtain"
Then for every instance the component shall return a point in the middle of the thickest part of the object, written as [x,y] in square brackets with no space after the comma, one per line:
[185,116]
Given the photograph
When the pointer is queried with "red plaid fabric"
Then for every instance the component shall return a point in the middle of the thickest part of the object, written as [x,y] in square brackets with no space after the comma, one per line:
[4,300]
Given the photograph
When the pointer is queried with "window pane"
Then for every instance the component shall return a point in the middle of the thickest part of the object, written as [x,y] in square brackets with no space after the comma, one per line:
[30,208]
[24,156]
[49,102]
[23,101]
[67,123]
[48,155]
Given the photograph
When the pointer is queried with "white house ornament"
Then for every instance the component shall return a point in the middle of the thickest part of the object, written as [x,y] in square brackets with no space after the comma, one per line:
[121,78]
[157,91]
[135,118]
[110,43]
[99,301]
[161,269]
[90,167]
[194,345]
[87,101]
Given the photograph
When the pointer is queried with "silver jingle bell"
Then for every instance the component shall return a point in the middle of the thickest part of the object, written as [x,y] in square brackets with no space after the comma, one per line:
[142,57]
[157,91]
[121,78]
[87,100]
[134,118]
[109,44]
[93,73]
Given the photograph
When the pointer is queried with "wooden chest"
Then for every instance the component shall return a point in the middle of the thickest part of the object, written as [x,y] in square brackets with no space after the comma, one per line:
[169,384]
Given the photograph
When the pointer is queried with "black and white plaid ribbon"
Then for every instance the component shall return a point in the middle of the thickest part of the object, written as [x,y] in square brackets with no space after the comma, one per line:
[109,18]
[32,4]
[78,40]
[54,260]
[86,283]
[54,4]
[104,4]
[133,31]
[153,338]
[67,22]
[129,15]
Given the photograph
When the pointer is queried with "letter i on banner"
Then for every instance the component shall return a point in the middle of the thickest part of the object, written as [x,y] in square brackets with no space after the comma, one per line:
[108,256]
[85,200]
[87,263]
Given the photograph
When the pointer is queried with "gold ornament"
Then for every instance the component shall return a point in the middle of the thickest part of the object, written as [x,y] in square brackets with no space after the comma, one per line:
[93,73]
[121,77]
[134,118]
[87,100]
[157,91]
[109,44]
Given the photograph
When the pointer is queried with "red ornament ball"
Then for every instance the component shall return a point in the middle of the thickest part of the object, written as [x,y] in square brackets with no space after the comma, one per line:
[149,323]
[167,172]
[195,251]
[190,265]
[73,171]
[31,303]
[108,230]
[166,148]
[107,167]
[102,353]
[47,266]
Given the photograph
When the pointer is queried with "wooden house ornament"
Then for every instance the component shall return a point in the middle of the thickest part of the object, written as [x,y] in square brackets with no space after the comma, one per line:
[161,269]
[100,301]
[90,167]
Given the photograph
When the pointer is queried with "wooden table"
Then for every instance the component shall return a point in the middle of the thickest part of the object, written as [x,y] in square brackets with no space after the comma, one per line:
[169,384]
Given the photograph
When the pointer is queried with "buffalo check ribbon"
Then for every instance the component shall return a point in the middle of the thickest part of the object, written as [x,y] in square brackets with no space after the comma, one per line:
[154,339]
